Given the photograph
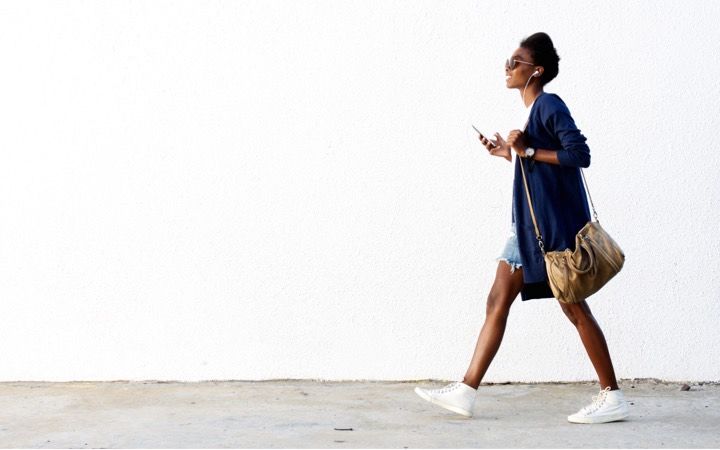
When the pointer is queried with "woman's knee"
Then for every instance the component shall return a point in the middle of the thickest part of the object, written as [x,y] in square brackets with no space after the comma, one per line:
[577,313]
[498,303]
[506,287]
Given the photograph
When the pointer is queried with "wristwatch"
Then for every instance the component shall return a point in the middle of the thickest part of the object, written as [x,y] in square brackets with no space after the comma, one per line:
[529,152]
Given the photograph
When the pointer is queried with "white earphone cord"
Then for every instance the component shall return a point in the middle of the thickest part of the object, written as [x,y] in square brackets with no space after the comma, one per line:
[528,82]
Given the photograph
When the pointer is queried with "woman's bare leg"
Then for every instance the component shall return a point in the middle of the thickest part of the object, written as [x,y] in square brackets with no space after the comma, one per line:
[594,341]
[505,289]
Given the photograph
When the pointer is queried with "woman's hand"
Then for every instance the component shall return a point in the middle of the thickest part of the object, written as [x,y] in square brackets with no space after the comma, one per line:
[516,140]
[498,147]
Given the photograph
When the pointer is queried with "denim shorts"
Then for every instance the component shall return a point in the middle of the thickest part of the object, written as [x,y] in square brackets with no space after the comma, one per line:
[511,252]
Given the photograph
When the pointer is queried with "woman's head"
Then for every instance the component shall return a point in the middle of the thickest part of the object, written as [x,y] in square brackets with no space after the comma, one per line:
[542,53]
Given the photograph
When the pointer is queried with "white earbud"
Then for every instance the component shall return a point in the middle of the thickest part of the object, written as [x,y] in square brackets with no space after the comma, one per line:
[537,73]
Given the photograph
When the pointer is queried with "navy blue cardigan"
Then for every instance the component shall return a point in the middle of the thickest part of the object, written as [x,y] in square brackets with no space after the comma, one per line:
[557,191]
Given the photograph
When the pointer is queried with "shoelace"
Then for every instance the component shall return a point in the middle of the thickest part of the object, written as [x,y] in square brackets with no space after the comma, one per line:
[598,401]
[448,388]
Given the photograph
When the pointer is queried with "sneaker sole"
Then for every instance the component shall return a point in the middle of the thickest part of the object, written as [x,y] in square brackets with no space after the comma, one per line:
[604,419]
[447,406]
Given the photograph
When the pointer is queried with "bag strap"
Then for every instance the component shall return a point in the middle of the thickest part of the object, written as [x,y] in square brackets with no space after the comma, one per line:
[532,210]
[587,189]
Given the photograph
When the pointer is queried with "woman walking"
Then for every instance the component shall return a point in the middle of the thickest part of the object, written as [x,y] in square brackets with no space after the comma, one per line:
[552,150]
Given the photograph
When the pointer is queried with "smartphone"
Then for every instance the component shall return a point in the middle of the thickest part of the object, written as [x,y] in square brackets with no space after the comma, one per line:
[481,135]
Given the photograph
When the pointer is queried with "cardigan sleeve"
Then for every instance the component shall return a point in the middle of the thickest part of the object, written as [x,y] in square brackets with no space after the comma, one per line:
[559,122]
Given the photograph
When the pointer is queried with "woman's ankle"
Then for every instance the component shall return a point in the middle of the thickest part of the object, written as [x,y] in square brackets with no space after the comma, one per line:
[472,384]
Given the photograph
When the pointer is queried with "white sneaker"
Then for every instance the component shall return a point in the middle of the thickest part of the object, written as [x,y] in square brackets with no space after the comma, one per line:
[457,397]
[607,406]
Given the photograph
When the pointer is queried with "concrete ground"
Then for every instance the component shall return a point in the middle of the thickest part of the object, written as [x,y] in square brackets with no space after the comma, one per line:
[302,414]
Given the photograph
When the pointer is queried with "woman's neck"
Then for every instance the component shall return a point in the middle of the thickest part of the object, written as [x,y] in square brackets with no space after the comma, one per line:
[531,93]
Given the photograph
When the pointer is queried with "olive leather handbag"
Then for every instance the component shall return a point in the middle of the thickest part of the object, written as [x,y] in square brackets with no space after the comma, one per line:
[576,275]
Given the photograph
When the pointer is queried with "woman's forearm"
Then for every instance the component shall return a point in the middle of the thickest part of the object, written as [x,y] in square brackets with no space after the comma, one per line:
[546,156]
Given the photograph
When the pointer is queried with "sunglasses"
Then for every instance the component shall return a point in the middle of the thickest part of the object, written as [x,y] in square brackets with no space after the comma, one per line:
[512,63]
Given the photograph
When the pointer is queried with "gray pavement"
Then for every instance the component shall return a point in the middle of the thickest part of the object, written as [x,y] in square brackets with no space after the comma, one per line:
[316,414]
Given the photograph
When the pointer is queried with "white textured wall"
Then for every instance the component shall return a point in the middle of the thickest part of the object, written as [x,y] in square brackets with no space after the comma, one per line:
[254,190]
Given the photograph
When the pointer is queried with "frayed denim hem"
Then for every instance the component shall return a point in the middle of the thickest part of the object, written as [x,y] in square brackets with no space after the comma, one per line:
[511,253]
[513,265]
